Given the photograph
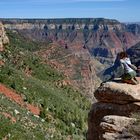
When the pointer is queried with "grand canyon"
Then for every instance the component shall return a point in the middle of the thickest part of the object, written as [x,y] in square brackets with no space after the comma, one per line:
[71,56]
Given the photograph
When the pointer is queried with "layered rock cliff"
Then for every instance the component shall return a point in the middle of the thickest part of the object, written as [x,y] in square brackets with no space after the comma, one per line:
[109,117]
[103,38]
[80,48]
[3,41]
[3,38]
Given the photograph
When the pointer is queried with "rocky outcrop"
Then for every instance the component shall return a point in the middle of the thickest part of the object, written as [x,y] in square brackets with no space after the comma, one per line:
[63,24]
[115,127]
[109,117]
[3,38]
[3,41]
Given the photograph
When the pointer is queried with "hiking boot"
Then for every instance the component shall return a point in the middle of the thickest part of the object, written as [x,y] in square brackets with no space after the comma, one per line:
[131,81]
[136,81]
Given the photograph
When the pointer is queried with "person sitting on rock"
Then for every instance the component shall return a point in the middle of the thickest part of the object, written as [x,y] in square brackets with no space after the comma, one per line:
[129,75]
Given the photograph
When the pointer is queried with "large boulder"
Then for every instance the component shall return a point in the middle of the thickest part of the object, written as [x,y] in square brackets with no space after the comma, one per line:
[120,93]
[110,115]
[113,123]
[112,127]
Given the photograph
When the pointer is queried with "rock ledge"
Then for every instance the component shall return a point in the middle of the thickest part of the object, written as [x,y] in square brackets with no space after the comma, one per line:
[109,116]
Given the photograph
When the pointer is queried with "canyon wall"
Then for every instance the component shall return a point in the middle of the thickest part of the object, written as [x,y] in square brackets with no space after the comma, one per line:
[80,48]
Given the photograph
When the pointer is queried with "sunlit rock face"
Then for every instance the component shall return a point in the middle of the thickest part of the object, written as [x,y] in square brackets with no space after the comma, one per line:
[3,38]
[109,116]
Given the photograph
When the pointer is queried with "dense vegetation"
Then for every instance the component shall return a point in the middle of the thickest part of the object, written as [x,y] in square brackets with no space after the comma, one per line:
[63,108]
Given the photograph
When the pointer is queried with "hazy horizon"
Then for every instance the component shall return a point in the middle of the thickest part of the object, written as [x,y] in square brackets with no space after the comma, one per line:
[121,10]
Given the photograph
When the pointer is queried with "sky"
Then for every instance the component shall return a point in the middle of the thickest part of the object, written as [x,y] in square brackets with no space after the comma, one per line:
[122,10]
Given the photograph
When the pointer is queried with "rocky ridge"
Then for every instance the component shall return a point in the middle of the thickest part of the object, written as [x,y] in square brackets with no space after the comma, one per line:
[109,117]
[103,38]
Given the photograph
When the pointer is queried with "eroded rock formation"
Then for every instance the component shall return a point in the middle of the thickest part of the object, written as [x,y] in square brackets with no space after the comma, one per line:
[80,48]
[103,38]
[110,116]
[3,38]
[3,41]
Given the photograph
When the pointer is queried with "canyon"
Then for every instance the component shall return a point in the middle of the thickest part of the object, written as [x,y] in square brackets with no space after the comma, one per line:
[80,48]
[62,57]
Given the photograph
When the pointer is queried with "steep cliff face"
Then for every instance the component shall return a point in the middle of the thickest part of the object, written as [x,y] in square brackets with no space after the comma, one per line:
[3,38]
[109,117]
[3,41]
[78,47]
